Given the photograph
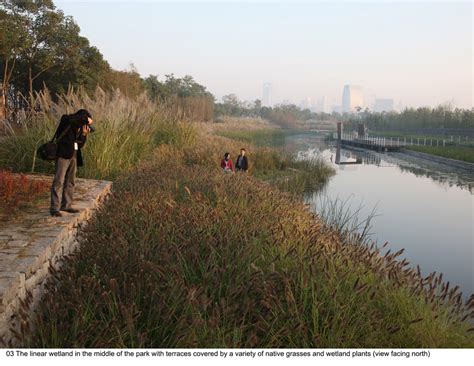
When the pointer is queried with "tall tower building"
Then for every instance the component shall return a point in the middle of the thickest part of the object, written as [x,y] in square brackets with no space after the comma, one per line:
[267,95]
[322,105]
[351,98]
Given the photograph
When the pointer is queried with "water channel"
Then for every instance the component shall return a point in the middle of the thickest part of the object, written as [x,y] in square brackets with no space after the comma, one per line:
[422,206]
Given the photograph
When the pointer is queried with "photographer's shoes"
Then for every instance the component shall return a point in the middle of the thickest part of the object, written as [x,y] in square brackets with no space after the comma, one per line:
[70,210]
[56,213]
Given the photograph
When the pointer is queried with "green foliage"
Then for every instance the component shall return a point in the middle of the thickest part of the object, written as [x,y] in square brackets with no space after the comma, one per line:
[43,46]
[261,137]
[420,118]
[179,134]
[184,87]
[192,100]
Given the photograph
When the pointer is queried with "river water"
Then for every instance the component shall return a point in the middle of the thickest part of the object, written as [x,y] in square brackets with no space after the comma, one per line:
[424,207]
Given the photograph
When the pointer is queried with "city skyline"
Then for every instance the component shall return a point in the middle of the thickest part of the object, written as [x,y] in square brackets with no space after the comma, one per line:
[419,53]
[352,98]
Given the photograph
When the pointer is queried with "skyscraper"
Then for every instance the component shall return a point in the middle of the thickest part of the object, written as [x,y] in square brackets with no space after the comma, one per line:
[351,98]
[322,105]
[267,95]
[306,103]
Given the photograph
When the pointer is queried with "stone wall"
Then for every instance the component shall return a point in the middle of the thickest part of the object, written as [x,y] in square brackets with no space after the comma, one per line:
[30,246]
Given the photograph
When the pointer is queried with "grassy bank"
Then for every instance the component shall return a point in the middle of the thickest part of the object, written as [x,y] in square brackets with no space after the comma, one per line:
[451,152]
[268,160]
[263,137]
[183,255]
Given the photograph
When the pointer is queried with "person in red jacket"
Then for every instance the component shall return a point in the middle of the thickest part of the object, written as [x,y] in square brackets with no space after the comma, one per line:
[226,163]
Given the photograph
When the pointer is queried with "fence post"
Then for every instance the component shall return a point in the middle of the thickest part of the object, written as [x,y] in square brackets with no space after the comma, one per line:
[418,143]
[424,141]
[437,143]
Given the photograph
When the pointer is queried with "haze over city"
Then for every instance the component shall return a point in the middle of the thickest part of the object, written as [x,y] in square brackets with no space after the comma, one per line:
[415,54]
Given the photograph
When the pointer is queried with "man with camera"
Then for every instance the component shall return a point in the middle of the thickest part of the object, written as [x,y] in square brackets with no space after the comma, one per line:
[72,135]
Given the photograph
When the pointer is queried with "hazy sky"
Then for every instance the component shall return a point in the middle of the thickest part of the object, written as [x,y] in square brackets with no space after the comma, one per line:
[416,53]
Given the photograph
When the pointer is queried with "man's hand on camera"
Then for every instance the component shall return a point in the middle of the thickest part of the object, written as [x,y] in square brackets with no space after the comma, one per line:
[85,130]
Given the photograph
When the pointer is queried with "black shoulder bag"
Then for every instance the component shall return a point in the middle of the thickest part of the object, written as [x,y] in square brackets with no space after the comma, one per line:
[49,150]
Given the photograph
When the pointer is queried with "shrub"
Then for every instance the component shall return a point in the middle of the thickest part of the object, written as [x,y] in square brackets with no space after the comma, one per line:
[18,191]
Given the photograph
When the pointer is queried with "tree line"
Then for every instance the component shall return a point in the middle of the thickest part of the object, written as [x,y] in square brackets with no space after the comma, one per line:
[441,117]
[287,115]
[41,47]
[284,115]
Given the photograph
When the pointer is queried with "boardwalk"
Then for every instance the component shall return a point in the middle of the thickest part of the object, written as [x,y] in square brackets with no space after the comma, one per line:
[372,143]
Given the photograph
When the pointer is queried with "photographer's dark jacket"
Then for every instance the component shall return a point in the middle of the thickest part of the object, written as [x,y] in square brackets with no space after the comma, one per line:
[74,134]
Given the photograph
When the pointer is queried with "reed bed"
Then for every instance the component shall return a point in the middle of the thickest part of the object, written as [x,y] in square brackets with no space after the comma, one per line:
[183,255]
[126,131]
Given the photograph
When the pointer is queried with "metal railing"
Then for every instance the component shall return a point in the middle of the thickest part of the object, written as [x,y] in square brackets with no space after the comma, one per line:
[391,141]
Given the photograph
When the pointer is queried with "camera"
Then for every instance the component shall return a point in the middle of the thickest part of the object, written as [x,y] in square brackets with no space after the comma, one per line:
[85,122]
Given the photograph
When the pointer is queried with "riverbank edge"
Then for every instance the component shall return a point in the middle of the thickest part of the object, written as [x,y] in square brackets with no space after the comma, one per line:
[45,252]
[442,160]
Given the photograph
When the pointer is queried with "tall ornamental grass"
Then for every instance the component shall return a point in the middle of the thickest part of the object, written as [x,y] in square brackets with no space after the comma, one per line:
[126,131]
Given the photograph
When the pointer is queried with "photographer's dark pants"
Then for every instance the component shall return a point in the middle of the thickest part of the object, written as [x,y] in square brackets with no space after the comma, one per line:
[62,190]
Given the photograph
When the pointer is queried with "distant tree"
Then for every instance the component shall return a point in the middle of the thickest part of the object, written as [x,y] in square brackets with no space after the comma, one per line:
[185,87]
[41,46]
[13,37]
[153,86]
[128,82]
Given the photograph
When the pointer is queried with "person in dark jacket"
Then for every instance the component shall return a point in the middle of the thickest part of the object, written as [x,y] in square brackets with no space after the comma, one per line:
[241,163]
[72,134]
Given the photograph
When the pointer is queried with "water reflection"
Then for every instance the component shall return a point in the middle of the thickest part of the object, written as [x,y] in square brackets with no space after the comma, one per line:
[443,175]
[424,207]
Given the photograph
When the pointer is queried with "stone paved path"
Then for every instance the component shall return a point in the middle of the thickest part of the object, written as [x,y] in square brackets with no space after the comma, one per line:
[32,242]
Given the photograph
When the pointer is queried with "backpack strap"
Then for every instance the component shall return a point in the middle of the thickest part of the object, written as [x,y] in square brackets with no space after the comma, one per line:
[66,130]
